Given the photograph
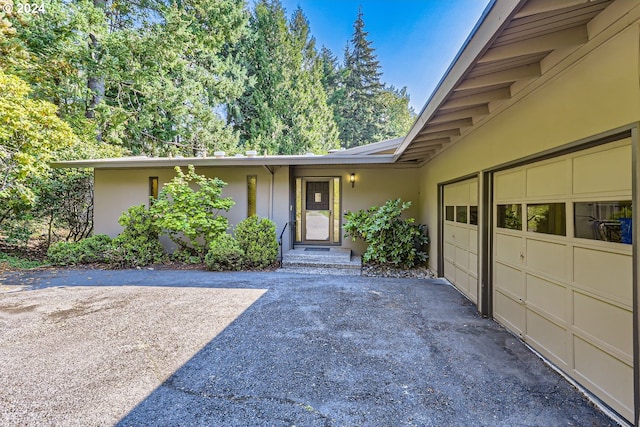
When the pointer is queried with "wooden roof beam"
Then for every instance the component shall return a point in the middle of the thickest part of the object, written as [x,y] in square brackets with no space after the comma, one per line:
[430,136]
[480,110]
[410,157]
[534,7]
[507,76]
[575,36]
[453,125]
[433,143]
[426,150]
[477,99]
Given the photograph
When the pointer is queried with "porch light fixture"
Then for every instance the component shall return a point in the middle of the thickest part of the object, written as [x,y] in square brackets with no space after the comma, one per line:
[352,179]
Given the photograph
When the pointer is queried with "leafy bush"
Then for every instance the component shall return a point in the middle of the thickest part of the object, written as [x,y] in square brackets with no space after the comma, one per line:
[224,254]
[257,238]
[92,249]
[390,239]
[189,216]
[138,244]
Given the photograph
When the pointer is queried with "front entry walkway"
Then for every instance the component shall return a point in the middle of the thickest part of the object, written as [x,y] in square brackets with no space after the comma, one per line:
[302,350]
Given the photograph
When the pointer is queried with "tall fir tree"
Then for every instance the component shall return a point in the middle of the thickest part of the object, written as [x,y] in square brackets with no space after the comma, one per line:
[285,110]
[359,121]
[365,109]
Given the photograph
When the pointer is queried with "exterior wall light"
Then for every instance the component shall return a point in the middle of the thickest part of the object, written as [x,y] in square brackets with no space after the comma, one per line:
[352,179]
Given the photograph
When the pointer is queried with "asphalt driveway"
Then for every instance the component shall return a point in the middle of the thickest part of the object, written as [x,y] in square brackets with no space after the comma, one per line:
[192,348]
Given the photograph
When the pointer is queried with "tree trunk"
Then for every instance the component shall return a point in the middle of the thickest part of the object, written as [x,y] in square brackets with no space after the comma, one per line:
[95,82]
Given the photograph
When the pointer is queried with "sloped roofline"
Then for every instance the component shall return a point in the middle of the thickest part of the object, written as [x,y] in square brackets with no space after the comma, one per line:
[494,17]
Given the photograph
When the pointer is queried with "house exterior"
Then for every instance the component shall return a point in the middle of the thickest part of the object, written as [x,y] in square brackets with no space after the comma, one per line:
[523,164]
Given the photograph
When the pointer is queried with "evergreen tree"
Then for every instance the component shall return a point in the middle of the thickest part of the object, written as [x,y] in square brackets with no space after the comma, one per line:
[365,110]
[149,75]
[396,116]
[285,110]
[359,122]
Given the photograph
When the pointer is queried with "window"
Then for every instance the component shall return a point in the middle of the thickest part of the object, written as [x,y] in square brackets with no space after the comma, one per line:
[473,215]
[153,187]
[449,213]
[510,216]
[461,214]
[606,221]
[548,218]
[252,187]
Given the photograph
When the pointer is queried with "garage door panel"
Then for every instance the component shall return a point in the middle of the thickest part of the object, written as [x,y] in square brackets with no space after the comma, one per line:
[449,270]
[473,264]
[473,192]
[473,289]
[449,233]
[510,279]
[602,172]
[546,180]
[547,257]
[547,296]
[449,251]
[462,237]
[510,313]
[462,194]
[549,337]
[606,322]
[593,269]
[508,248]
[473,238]
[608,375]
[462,280]
[509,185]
[462,259]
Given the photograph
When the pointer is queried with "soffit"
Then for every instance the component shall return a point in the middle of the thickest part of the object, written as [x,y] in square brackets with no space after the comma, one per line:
[511,55]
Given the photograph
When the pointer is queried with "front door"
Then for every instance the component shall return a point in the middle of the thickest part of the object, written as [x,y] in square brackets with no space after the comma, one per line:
[318,210]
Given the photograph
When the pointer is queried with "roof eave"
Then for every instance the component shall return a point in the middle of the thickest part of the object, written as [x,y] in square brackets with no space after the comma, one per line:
[165,162]
[495,16]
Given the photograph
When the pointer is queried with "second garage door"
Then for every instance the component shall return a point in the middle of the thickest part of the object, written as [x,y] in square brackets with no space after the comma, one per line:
[461,236]
[562,274]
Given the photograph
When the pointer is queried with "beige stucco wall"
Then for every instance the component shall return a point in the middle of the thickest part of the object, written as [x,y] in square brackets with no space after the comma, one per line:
[599,93]
[373,187]
[118,189]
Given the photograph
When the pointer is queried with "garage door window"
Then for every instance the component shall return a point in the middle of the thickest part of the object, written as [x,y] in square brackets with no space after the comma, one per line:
[473,215]
[548,218]
[461,214]
[449,213]
[510,216]
[606,221]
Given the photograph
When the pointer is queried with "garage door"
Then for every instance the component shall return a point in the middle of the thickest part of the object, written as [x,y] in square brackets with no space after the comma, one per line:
[562,276]
[461,236]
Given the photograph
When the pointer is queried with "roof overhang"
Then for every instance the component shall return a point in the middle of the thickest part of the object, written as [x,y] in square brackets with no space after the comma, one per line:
[505,54]
[170,162]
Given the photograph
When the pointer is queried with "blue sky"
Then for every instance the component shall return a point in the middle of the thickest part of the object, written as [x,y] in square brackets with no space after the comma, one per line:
[415,40]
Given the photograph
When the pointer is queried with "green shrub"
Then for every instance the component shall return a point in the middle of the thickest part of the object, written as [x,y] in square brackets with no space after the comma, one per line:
[391,239]
[257,238]
[92,249]
[138,244]
[224,254]
[187,209]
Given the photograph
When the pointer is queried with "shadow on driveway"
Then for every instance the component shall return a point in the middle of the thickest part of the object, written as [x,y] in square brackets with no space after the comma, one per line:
[337,351]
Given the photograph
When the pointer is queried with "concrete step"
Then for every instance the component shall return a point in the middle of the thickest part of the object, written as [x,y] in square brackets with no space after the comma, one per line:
[321,261]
